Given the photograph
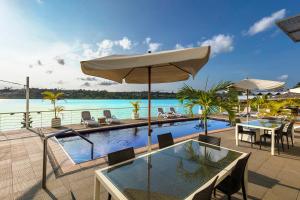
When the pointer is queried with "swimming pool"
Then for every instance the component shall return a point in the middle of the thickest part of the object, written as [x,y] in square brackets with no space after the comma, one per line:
[112,140]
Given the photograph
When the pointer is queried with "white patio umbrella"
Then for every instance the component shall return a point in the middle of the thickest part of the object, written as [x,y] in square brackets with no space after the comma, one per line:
[256,84]
[158,67]
[295,90]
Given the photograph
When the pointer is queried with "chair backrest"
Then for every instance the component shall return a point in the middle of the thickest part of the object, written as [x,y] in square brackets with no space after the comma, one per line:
[86,115]
[120,156]
[107,114]
[240,129]
[160,110]
[237,173]
[206,193]
[172,109]
[165,140]
[280,130]
[210,139]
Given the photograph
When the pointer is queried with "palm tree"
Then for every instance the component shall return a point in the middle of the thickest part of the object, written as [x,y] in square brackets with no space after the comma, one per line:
[53,97]
[259,101]
[208,99]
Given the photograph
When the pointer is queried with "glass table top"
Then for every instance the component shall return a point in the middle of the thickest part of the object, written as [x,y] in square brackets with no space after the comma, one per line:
[173,173]
[267,123]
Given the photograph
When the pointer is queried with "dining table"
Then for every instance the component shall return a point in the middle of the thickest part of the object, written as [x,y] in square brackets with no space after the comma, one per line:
[176,172]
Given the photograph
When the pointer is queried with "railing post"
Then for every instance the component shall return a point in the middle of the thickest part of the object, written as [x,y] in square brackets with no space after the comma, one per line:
[44,178]
[27,103]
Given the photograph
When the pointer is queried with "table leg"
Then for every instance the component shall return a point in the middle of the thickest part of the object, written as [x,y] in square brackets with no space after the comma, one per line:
[272,142]
[96,189]
[236,135]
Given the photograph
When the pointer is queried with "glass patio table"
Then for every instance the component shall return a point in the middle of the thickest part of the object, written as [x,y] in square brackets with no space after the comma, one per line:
[263,124]
[176,172]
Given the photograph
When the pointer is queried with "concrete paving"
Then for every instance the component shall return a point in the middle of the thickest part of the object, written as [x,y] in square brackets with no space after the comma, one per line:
[270,177]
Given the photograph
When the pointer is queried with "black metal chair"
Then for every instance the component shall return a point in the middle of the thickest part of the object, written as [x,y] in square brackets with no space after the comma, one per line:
[235,181]
[165,140]
[251,133]
[289,132]
[278,138]
[210,139]
[118,157]
[206,193]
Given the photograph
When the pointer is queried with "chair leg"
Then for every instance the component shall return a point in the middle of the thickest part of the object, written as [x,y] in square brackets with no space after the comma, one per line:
[260,142]
[109,196]
[292,140]
[244,190]
[278,145]
[281,139]
[287,141]
[251,141]
[215,192]
[228,196]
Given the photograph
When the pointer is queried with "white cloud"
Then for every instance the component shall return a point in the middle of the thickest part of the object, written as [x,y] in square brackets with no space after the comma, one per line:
[219,44]
[266,22]
[125,43]
[283,77]
[152,46]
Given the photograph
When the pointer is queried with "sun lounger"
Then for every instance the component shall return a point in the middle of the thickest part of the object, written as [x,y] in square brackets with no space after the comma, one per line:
[244,112]
[110,118]
[161,113]
[87,120]
[173,111]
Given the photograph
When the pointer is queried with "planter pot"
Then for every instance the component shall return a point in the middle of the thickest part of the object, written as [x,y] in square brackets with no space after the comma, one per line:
[56,123]
[135,116]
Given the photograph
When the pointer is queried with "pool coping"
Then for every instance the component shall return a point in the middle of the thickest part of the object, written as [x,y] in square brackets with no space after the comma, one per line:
[63,164]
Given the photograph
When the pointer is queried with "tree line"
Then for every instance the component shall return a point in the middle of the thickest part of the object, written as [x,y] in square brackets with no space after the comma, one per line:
[36,93]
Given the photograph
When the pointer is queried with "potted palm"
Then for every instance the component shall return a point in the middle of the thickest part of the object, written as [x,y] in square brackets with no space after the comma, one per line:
[208,99]
[136,108]
[53,98]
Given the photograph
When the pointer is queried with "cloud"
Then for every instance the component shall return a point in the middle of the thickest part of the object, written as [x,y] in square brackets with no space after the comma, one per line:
[60,82]
[106,47]
[87,79]
[49,71]
[219,44]
[60,61]
[152,46]
[125,43]
[86,84]
[283,77]
[266,22]
[40,1]
[39,62]
[107,83]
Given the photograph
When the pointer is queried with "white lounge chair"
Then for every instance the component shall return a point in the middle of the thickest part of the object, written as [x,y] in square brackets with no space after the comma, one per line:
[173,111]
[161,113]
[110,118]
[244,112]
[87,120]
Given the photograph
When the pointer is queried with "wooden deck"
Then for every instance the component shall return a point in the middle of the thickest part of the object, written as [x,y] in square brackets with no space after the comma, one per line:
[270,177]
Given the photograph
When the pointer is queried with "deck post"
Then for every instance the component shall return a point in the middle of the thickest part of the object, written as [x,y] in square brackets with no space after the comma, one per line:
[44,177]
[27,103]
[149,109]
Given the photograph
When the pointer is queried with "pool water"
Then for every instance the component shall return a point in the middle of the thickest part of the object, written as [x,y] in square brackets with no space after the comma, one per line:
[113,140]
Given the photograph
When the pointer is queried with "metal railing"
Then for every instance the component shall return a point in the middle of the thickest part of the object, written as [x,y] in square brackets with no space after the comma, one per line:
[41,119]
[45,151]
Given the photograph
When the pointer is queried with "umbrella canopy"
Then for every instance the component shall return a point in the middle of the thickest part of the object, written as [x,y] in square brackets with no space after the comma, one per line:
[166,66]
[159,67]
[295,90]
[257,84]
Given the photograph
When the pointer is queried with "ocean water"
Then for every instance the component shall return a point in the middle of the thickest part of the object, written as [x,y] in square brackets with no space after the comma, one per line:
[121,108]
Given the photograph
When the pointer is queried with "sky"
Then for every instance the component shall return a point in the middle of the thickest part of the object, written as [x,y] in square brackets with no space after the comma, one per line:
[46,39]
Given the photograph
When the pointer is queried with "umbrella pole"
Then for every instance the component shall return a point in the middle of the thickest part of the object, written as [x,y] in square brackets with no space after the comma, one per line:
[247,105]
[149,109]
